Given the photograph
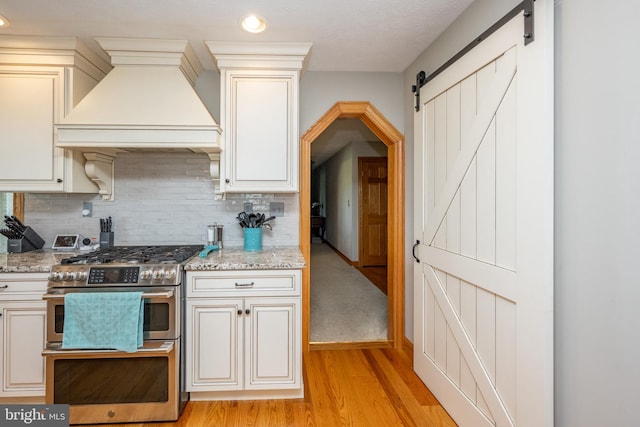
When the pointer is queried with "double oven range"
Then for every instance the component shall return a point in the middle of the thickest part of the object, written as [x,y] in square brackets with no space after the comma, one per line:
[110,386]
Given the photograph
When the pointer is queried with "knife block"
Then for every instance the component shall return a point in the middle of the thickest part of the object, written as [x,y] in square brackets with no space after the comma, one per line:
[30,241]
[106,239]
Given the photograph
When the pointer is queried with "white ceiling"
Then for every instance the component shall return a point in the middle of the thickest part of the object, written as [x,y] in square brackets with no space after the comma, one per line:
[338,134]
[347,35]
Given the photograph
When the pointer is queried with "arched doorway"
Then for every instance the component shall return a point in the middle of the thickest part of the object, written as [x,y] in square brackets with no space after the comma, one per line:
[394,141]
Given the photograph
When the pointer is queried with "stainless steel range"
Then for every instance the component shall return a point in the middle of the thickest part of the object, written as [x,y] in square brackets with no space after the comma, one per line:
[110,386]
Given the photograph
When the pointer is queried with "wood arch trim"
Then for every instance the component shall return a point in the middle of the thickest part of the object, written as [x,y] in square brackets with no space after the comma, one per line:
[394,141]
[18,206]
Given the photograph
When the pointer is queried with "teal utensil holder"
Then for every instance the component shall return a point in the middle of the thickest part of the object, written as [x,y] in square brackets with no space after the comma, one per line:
[253,239]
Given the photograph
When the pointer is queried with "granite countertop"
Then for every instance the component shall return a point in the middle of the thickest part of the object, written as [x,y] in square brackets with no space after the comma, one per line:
[269,258]
[39,261]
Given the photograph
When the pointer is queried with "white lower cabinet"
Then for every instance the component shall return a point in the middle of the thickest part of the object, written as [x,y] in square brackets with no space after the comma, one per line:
[241,345]
[22,335]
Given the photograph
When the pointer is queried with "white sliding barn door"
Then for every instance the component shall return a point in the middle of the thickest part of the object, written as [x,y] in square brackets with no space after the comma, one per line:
[484,218]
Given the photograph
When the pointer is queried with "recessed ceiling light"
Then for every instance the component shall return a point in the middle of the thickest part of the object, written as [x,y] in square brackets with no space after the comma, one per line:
[254,24]
[4,22]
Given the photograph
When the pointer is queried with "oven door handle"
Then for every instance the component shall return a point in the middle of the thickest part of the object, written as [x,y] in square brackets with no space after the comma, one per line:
[168,294]
[165,348]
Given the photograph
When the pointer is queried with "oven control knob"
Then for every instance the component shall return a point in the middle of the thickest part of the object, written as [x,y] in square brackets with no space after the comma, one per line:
[170,274]
[145,275]
[157,274]
[67,276]
[53,276]
[78,275]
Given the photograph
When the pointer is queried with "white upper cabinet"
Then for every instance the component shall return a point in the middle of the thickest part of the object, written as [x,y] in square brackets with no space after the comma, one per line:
[259,92]
[41,79]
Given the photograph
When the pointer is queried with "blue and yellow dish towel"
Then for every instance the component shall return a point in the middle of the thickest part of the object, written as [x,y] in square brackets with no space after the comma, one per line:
[103,320]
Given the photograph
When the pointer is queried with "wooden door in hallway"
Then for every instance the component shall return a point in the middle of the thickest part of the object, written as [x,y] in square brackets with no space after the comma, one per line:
[372,189]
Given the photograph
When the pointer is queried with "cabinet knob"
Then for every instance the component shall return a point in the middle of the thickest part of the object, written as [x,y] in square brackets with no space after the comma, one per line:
[227,180]
[247,311]
[59,180]
[239,312]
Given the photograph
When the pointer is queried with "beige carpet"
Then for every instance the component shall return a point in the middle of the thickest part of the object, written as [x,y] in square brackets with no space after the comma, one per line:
[345,305]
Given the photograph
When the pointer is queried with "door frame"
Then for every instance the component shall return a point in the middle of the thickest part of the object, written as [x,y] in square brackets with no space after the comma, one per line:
[394,141]
[18,205]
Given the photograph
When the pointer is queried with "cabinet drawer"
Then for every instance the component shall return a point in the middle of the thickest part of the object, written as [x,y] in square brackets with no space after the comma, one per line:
[243,283]
[22,286]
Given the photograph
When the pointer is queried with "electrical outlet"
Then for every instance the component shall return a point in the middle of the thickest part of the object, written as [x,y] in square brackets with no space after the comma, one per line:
[87,209]
[248,207]
[276,209]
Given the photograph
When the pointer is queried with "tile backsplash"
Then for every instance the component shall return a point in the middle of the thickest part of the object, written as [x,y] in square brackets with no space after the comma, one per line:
[161,198]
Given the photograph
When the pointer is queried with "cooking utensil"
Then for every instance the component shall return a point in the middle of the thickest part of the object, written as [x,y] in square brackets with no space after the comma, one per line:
[242,219]
[269,219]
[253,220]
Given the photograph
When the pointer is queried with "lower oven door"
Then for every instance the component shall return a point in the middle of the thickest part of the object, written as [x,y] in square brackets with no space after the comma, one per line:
[161,310]
[108,386]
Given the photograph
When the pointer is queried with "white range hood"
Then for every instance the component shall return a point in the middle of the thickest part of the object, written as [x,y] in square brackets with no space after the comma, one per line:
[146,102]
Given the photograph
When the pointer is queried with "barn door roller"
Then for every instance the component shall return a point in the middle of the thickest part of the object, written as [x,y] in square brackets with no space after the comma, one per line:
[526,7]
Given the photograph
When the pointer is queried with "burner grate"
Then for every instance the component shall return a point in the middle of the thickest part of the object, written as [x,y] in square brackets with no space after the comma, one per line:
[136,255]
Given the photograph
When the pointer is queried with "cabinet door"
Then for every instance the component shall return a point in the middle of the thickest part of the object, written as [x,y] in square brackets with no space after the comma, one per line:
[31,101]
[214,345]
[272,343]
[23,338]
[261,147]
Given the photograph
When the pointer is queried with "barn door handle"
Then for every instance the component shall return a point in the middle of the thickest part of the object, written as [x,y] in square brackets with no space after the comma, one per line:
[413,251]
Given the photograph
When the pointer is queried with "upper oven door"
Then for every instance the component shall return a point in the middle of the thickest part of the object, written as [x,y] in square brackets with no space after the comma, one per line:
[161,310]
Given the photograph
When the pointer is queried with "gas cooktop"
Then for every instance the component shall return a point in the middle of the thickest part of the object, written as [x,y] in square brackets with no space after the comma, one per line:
[168,254]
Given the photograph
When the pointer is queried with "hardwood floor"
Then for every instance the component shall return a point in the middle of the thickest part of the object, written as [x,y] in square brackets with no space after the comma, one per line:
[377,276]
[361,387]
